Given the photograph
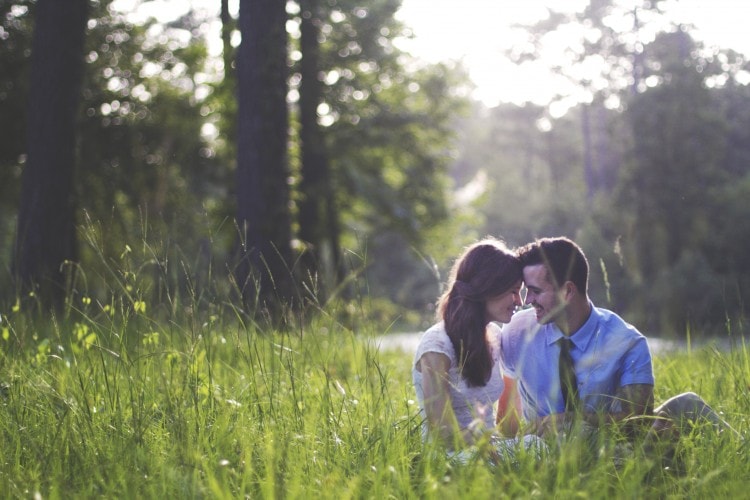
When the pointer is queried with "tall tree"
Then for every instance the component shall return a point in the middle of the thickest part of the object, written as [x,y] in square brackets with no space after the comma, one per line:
[263,216]
[227,25]
[373,139]
[46,222]
[224,95]
[388,127]
[16,23]
[318,222]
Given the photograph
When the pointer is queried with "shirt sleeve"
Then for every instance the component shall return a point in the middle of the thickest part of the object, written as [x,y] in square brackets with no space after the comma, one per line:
[433,340]
[637,366]
[511,338]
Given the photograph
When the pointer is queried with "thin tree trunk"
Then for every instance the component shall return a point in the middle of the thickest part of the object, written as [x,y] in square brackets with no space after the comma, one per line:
[226,39]
[588,162]
[318,217]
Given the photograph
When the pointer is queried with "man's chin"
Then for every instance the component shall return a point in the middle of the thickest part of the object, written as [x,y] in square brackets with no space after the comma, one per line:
[544,318]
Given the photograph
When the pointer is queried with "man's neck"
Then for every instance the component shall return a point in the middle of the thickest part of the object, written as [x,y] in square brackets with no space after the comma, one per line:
[576,314]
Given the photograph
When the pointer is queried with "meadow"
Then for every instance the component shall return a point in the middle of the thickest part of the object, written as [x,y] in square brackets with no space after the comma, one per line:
[128,399]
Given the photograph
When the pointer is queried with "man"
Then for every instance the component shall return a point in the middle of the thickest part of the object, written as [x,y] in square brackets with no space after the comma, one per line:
[611,378]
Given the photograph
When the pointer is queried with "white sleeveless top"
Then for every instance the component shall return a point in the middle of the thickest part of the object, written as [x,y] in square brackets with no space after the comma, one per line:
[474,407]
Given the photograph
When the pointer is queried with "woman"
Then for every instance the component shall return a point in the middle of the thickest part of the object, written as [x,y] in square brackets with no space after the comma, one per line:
[456,372]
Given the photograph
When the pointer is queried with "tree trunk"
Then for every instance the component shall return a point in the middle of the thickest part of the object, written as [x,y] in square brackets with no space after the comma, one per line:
[46,220]
[318,217]
[263,217]
[588,162]
[226,39]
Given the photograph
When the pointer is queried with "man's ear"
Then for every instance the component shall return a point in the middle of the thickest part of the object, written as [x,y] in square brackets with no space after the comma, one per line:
[569,290]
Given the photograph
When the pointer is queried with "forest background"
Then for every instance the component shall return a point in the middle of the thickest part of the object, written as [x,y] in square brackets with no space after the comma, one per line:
[318,164]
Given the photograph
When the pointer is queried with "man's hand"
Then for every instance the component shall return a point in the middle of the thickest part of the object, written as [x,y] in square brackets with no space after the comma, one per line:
[637,402]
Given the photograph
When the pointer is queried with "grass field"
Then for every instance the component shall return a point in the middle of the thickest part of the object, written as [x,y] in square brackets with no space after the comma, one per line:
[118,401]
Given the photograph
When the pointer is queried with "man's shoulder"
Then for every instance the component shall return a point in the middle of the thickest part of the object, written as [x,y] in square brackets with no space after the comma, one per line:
[621,336]
[611,321]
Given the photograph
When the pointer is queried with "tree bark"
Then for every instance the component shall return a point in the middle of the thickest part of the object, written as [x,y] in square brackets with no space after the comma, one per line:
[263,273]
[226,39]
[318,217]
[45,236]
[588,161]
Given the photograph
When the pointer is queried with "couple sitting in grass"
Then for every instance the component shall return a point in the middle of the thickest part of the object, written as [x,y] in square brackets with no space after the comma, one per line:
[562,363]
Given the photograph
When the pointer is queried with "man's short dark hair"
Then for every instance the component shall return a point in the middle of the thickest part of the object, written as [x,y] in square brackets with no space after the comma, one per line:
[564,260]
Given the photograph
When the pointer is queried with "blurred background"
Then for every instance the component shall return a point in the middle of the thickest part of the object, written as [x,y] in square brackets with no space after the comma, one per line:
[139,143]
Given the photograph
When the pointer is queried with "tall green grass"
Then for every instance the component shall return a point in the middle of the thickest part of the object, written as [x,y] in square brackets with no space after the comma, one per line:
[219,411]
[126,396]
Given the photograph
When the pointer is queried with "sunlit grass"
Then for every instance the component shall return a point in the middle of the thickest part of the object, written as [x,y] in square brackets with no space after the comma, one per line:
[124,396]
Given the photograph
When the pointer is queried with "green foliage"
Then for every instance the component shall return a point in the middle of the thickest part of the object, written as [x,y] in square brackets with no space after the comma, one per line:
[157,141]
[143,162]
[388,135]
[651,176]
[143,151]
[392,163]
[534,180]
[649,181]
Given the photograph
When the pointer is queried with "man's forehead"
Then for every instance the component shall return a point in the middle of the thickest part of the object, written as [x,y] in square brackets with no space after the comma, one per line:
[535,275]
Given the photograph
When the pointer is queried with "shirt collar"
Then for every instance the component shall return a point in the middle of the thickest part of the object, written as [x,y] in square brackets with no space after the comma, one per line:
[580,337]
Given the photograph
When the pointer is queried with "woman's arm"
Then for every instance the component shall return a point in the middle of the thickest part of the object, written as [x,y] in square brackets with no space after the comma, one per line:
[436,389]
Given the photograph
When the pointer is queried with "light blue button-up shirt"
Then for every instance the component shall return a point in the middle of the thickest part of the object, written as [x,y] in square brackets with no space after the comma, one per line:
[608,354]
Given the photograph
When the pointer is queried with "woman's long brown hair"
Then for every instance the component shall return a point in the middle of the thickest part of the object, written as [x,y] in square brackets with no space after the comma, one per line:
[485,270]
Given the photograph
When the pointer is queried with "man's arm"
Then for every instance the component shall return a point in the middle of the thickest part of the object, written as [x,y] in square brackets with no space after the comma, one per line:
[637,400]
[509,408]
